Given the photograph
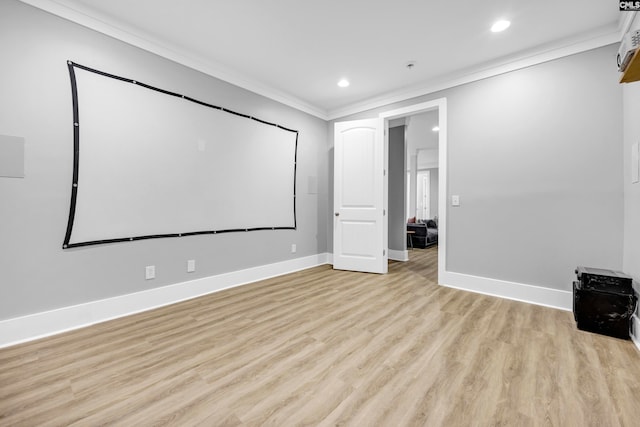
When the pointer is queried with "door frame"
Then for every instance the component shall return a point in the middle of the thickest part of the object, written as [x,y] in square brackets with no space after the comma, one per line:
[439,104]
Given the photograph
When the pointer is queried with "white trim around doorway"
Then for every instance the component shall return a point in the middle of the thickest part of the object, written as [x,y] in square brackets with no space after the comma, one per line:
[439,104]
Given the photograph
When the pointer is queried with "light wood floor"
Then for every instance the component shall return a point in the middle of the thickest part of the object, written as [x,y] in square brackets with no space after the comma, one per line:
[324,347]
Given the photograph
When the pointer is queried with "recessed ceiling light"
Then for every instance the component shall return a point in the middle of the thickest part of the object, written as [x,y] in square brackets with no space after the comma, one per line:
[500,26]
[343,83]
[435,129]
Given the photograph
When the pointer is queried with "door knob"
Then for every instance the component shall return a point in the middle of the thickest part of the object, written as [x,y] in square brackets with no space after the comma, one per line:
[337,213]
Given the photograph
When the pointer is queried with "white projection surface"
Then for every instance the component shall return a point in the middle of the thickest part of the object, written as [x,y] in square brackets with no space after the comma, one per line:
[153,164]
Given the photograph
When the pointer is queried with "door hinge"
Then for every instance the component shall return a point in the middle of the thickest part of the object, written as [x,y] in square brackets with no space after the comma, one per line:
[384,212]
[384,252]
[384,172]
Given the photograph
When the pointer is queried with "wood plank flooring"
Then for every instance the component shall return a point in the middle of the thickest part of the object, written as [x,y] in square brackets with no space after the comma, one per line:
[323,347]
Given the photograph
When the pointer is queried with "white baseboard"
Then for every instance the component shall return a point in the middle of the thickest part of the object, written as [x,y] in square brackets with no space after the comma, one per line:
[635,331]
[40,325]
[538,295]
[399,255]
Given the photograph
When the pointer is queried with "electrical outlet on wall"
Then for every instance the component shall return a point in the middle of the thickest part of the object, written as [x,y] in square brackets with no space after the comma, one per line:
[293,248]
[191,266]
[150,272]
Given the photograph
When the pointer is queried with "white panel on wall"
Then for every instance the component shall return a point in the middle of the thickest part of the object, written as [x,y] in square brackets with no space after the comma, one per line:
[155,164]
[312,184]
[11,156]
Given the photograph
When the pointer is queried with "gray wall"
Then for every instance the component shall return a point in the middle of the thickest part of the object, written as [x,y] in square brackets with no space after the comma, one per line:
[397,193]
[631,129]
[35,273]
[536,157]
[631,105]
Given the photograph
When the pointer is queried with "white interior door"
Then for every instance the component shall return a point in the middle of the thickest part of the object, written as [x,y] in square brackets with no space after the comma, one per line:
[360,221]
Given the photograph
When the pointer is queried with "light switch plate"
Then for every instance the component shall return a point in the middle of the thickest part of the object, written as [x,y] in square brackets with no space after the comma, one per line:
[455,200]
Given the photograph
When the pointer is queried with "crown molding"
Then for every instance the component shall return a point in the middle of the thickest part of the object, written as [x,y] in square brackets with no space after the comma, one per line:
[135,38]
[525,60]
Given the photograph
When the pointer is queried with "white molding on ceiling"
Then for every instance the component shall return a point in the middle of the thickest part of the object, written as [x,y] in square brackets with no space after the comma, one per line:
[145,42]
[534,58]
[135,38]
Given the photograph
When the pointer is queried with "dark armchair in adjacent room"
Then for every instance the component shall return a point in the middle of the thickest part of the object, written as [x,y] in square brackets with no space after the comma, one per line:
[425,233]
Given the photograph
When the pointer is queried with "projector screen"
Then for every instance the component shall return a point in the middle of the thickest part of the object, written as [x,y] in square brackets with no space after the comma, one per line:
[151,163]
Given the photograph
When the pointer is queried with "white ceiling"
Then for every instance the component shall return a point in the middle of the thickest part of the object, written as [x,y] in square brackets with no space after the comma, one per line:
[295,51]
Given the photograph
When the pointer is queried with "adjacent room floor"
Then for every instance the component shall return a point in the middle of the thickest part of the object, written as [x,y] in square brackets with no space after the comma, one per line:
[325,347]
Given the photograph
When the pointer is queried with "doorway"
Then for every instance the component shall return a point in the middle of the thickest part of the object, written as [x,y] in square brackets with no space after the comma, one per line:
[426,167]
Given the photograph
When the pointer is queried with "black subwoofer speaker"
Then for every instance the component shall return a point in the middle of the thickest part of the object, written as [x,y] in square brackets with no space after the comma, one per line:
[607,313]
